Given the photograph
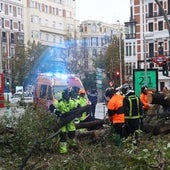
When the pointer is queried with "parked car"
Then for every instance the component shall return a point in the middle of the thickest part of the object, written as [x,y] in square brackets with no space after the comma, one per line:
[16,98]
[27,98]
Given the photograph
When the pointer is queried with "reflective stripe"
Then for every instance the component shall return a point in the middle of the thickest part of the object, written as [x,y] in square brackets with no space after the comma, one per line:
[132,117]
[130,98]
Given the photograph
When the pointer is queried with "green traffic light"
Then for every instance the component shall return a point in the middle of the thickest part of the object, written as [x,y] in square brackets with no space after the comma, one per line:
[165,72]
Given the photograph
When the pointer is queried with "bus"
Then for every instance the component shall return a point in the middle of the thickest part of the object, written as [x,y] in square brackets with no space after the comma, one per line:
[49,87]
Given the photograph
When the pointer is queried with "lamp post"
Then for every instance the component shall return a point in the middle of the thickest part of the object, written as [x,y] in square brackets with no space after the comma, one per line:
[146,34]
[120,54]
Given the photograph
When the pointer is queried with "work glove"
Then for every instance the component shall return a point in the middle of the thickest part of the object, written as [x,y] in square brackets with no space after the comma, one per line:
[52,108]
[78,106]
[58,113]
[76,120]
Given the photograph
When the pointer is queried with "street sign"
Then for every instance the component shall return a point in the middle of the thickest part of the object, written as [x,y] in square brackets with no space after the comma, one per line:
[160,59]
[139,79]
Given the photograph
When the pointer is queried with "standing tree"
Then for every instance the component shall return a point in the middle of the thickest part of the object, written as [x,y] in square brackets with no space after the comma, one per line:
[112,59]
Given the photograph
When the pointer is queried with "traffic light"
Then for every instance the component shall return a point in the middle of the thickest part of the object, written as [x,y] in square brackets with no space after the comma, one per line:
[7,81]
[165,69]
[117,74]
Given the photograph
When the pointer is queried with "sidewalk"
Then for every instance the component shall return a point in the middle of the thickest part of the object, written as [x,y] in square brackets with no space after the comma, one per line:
[101,110]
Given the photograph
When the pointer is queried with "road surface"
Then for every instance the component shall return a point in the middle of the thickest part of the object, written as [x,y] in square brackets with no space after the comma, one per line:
[17,111]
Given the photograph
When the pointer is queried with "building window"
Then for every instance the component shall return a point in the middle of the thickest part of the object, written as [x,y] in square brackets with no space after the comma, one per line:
[94,53]
[3,23]
[46,9]
[168,6]
[151,50]
[127,50]
[150,26]
[12,38]
[85,29]
[160,48]
[160,10]
[94,28]
[1,6]
[11,24]
[150,6]
[10,9]
[134,49]
[160,25]
[19,11]
[60,13]
[130,49]
[94,41]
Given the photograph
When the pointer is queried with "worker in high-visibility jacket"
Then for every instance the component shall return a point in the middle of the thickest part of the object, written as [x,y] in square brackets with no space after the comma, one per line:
[133,111]
[64,105]
[115,113]
[144,99]
[82,101]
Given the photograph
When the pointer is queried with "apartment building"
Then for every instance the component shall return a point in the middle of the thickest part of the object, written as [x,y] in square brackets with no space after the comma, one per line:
[49,22]
[11,32]
[147,38]
[96,36]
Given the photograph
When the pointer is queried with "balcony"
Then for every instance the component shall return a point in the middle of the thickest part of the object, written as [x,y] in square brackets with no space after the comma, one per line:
[130,36]
[4,39]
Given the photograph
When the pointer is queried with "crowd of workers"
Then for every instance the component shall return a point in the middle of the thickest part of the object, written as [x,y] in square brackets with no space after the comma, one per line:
[125,112]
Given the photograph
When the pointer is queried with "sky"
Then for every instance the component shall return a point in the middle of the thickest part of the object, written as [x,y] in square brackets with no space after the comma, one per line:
[108,11]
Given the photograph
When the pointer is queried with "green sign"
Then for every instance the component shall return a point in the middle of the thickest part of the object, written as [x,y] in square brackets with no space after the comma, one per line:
[139,79]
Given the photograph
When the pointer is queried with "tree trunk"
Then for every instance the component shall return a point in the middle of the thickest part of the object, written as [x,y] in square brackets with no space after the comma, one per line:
[156,129]
[91,124]
[92,133]
[159,98]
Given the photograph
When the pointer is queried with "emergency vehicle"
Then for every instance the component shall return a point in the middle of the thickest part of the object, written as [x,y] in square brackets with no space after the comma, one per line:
[49,87]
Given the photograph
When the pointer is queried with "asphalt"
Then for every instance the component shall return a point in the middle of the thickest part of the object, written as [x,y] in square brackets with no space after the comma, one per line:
[17,111]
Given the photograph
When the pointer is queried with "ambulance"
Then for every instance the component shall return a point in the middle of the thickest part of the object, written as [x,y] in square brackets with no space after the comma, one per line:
[49,87]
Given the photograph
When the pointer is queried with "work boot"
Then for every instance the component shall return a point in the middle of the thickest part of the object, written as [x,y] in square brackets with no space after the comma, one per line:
[73,145]
[63,147]
[117,140]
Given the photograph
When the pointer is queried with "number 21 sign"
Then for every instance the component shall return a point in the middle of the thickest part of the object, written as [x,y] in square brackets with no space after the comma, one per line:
[139,79]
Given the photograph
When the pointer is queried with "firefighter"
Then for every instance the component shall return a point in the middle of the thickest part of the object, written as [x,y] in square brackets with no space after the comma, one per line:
[144,99]
[133,110]
[64,105]
[82,101]
[115,113]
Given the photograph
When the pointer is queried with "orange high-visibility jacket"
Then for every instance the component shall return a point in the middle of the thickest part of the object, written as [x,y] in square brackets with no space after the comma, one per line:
[144,100]
[115,109]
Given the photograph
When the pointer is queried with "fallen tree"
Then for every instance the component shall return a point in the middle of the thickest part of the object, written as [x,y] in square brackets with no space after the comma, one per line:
[63,120]
[159,98]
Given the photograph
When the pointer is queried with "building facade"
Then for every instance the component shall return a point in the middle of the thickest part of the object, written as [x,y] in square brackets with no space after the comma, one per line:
[147,38]
[49,22]
[96,36]
[11,32]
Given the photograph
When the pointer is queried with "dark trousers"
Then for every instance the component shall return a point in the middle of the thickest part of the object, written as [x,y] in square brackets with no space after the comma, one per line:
[118,127]
[93,110]
[131,126]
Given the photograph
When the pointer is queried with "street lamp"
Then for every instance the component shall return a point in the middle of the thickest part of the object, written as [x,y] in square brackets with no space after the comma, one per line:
[146,34]
[120,54]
